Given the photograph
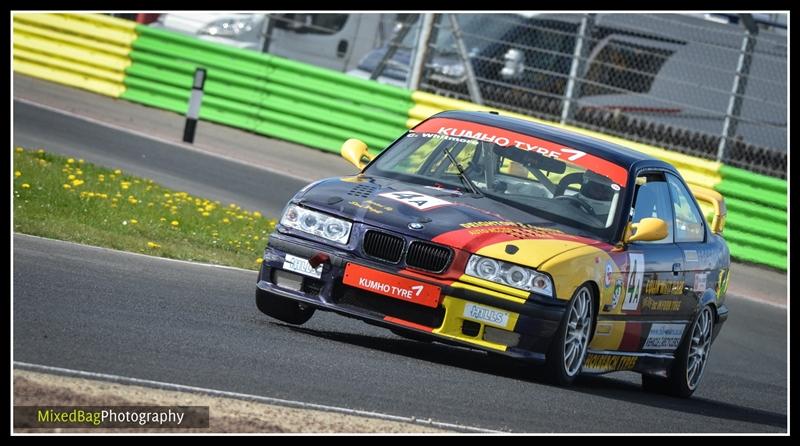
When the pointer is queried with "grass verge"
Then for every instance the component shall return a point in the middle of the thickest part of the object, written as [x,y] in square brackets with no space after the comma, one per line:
[68,199]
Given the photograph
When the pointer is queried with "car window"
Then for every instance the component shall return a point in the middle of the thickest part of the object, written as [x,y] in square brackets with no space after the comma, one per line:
[688,220]
[563,184]
[621,66]
[311,23]
[653,200]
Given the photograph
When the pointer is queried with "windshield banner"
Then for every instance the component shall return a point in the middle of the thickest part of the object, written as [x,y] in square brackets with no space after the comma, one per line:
[505,138]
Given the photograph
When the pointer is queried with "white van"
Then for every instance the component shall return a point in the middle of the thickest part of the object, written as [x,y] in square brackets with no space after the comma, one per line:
[336,41]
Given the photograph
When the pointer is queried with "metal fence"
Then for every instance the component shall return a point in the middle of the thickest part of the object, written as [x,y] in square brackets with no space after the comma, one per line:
[712,86]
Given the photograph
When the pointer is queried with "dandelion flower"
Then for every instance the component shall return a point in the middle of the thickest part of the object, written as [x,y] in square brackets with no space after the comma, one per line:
[259,260]
[77,183]
[257,214]
[153,245]
[225,220]
[67,186]
[206,214]
[20,150]
[134,221]
[71,161]
[162,219]
[174,223]
[17,174]
[118,172]
[25,186]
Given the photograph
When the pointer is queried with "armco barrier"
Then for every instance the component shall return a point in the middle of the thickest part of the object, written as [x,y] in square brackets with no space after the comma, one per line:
[263,93]
[321,108]
[88,51]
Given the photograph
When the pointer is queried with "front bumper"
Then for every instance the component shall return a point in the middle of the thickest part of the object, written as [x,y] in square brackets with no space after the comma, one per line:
[526,334]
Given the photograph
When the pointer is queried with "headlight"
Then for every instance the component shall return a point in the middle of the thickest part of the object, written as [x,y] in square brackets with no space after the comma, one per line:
[317,223]
[515,276]
[230,27]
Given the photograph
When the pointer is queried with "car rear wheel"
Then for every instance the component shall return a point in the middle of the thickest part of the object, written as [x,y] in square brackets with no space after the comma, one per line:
[283,309]
[690,362]
[568,349]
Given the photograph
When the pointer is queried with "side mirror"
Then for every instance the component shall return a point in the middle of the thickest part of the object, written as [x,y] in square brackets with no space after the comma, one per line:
[354,151]
[647,230]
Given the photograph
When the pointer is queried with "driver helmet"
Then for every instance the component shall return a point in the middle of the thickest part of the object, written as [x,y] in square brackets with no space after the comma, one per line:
[597,191]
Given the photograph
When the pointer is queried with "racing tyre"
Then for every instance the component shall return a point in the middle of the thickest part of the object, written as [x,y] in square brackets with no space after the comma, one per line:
[283,309]
[690,361]
[568,349]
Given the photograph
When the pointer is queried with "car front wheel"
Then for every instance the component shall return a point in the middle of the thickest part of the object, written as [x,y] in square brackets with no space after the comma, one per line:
[283,309]
[568,349]
[690,361]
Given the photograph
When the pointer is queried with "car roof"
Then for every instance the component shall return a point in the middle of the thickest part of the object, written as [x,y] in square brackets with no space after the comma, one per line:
[615,153]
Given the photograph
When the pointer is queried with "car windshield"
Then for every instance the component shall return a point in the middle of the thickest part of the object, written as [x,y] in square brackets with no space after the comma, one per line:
[562,184]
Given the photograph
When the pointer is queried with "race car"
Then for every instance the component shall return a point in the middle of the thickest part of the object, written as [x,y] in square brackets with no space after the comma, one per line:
[515,238]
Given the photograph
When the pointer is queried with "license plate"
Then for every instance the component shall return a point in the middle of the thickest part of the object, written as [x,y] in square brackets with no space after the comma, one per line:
[301,266]
[485,314]
[391,285]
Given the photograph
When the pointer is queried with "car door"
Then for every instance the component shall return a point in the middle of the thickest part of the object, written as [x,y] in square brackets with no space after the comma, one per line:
[651,298]
[700,265]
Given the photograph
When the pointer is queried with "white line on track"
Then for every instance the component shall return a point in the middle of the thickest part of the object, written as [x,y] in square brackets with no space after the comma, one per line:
[162,140]
[117,251]
[244,396]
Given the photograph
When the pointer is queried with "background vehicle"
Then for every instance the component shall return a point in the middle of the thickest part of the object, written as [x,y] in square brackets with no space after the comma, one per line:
[336,41]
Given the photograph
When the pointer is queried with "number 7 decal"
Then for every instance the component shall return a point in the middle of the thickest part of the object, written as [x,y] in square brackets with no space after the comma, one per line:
[576,153]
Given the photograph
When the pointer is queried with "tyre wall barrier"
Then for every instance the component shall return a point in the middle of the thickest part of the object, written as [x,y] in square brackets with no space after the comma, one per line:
[321,108]
[87,51]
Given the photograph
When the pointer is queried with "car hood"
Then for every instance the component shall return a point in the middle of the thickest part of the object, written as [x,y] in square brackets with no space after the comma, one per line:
[445,216]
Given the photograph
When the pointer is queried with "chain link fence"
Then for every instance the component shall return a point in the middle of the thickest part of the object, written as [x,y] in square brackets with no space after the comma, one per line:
[713,86]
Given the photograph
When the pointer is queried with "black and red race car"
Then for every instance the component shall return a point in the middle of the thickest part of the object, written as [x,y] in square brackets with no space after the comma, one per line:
[515,238]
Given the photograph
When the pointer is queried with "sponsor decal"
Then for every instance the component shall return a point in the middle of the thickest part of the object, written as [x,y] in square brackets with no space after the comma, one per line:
[300,265]
[691,255]
[722,282]
[488,315]
[416,200]
[609,272]
[391,285]
[371,206]
[463,131]
[662,287]
[633,288]
[609,363]
[664,336]
[700,282]
[648,303]
[603,329]
[616,295]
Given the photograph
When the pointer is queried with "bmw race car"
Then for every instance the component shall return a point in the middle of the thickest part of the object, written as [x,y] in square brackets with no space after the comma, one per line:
[515,238]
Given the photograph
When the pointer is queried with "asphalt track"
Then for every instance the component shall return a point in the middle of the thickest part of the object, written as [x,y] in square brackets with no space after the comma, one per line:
[101,311]
[98,310]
